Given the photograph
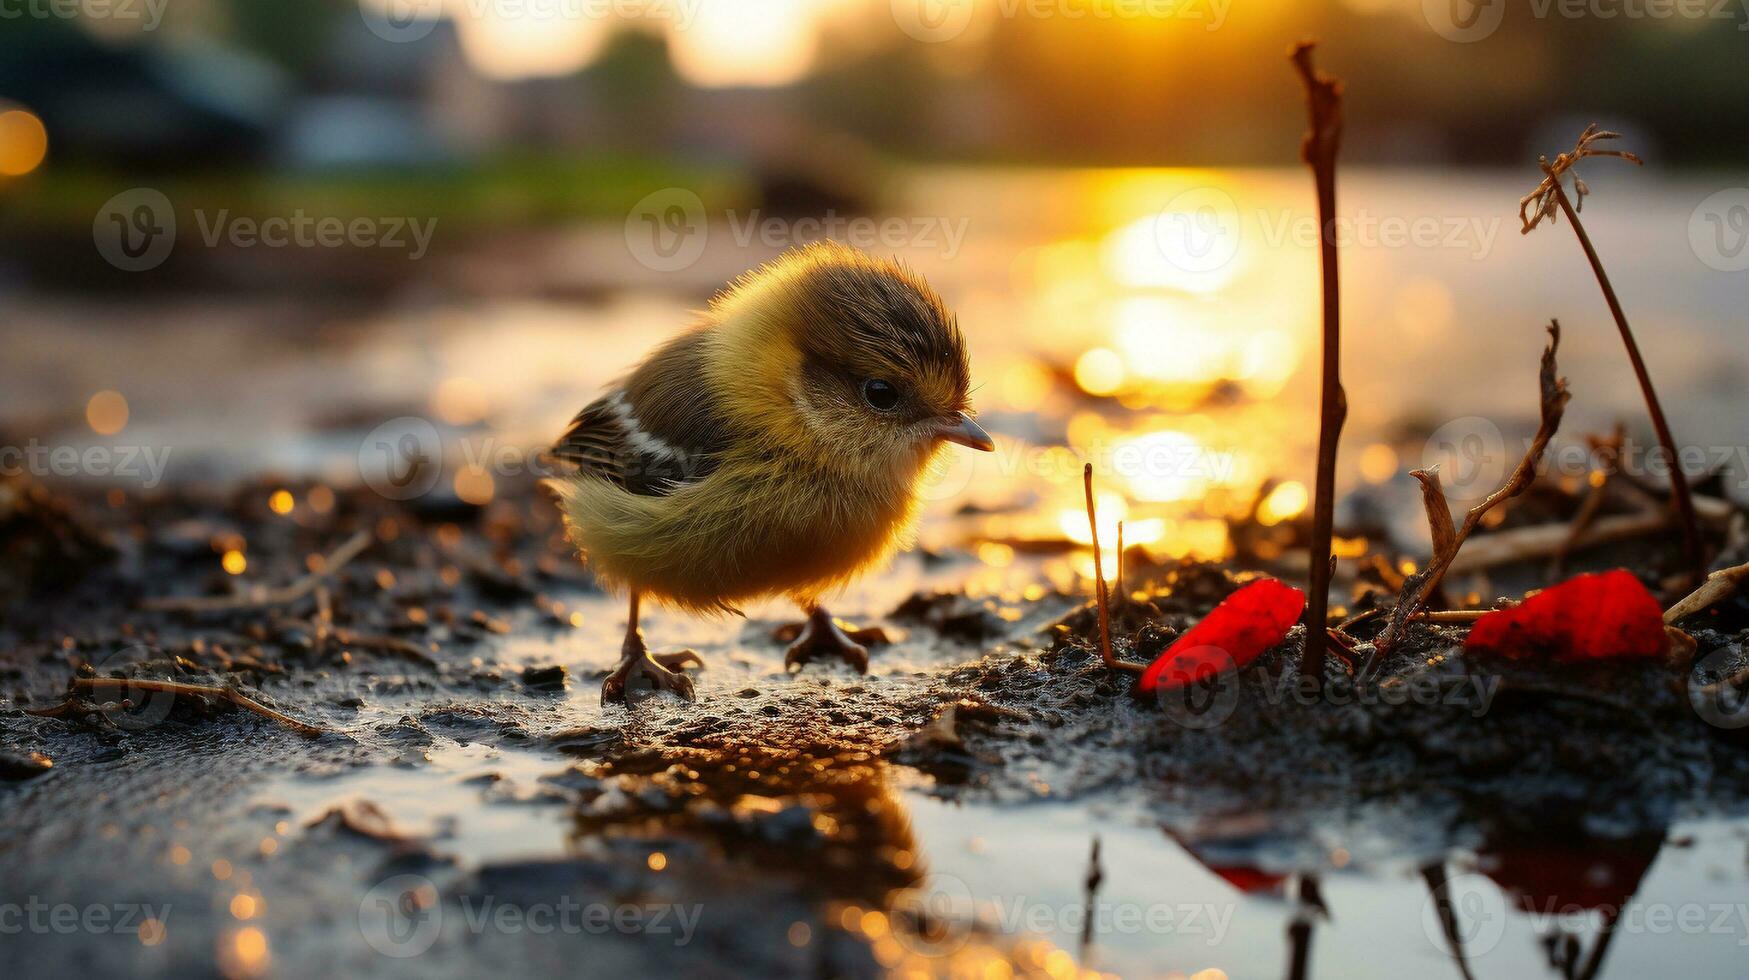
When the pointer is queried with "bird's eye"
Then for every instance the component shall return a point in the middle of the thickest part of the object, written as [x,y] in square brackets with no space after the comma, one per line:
[882,396]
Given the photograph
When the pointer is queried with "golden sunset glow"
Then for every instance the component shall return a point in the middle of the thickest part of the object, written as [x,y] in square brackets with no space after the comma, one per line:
[531,41]
[771,42]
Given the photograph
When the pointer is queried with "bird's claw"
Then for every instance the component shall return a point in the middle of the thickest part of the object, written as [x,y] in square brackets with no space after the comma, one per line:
[660,671]
[820,634]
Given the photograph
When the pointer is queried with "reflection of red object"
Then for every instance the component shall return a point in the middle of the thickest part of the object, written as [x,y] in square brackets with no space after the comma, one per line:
[1553,879]
[1590,617]
[1232,635]
[1251,881]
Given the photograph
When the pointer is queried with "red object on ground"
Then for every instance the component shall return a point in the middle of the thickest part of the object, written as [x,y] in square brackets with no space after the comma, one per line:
[1607,616]
[1232,635]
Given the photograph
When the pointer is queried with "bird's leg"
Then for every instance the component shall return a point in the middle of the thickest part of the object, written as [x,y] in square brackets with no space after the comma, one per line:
[820,634]
[662,671]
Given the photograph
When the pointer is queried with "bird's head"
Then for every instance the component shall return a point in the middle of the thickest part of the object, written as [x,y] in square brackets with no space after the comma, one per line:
[849,357]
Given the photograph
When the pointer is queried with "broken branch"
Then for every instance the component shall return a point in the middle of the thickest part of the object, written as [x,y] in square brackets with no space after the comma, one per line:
[1420,586]
[1717,587]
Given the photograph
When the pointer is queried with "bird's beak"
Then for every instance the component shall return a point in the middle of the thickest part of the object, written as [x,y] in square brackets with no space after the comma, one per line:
[963,430]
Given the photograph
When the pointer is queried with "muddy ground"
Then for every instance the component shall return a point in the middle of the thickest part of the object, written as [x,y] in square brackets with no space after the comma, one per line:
[447,678]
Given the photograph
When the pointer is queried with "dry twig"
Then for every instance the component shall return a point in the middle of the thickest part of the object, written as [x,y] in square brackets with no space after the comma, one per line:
[1542,202]
[1420,586]
[229,694]
[1318,150]
[1717,587]
[1103,598]
[261,596]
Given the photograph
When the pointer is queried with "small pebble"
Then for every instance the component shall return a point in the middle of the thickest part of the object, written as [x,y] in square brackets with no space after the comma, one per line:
[545,678]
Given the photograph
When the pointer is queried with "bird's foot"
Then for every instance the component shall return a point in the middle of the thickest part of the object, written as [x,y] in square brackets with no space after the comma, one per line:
[679,659]
[660,671]
[821,634]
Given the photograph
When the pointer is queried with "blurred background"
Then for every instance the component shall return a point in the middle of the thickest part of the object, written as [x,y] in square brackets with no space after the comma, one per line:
[247,233]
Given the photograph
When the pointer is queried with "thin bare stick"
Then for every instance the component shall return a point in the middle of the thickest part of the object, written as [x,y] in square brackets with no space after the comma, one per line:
[1548,195]
[1607,451]
[232,695]
[1718,586]
[1451,615]
[1318,150]
[1420,586]
[1102,597]
[1122,596]
[1543,540]
[260,596]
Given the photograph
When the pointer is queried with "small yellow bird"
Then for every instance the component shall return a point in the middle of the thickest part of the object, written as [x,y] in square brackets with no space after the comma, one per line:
[773,449]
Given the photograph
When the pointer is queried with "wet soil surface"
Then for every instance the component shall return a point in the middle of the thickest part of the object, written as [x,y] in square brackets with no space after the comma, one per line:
[444,794]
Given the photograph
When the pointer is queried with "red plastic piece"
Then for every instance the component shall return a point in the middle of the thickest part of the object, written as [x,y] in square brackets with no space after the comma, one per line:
[1607,616]
[1232,635]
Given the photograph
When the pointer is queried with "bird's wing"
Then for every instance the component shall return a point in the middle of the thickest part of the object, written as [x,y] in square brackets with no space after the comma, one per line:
[658,431]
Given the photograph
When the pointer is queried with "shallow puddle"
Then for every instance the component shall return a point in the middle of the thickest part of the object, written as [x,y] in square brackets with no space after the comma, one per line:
[469,801]
[1000,876]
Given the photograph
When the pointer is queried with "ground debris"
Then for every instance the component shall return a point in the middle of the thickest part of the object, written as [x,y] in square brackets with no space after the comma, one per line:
[16,766]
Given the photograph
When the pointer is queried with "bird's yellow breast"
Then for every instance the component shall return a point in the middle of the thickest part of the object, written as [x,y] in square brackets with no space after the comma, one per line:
[756,527]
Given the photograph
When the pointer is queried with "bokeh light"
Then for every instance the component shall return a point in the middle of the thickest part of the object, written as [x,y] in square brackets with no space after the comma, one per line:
[107,413]
[24,142]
